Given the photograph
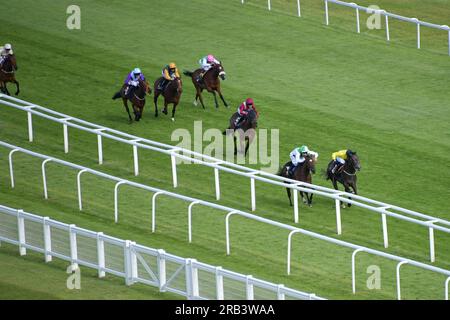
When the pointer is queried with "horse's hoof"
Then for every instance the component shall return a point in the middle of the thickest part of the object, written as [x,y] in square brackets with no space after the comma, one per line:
[164,111]
[173,119]
[310,205]
[195,103]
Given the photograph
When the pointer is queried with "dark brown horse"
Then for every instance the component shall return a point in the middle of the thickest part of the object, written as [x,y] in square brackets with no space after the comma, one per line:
[346,175]
[7,74]
[301,173]
[172,93]
[246,130]
[210,82]
[136,97]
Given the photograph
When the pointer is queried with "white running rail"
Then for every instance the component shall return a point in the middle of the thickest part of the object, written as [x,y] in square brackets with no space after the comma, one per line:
[387,15]
[378,207]
[230,212]
[133,262]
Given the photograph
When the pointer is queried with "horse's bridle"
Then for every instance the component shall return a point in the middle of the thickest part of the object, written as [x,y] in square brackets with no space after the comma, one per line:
[351,174]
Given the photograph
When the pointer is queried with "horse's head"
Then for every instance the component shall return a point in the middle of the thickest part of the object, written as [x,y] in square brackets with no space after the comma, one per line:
[147,87]
[220,71]
[310,163]
[353,159]
[252,118]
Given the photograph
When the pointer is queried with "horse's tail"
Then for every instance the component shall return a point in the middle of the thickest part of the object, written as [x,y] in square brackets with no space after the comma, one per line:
[188,73]
[117,95]
[326,174]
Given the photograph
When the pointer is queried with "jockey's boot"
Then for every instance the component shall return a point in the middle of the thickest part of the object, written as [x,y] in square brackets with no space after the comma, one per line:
[238,121]
[336,167]
[291,170]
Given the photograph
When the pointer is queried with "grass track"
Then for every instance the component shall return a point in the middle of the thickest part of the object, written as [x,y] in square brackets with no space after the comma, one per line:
[324,86]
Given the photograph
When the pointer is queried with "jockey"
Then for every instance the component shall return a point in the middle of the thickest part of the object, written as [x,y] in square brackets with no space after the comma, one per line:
[339,158]
[132,80]
[206,63]
[298,158]
[169,73]
[5,51]
[243,109]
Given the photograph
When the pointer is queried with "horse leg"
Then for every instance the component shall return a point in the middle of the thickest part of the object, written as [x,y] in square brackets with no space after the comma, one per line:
[6,89]
[155,101]
[288,190]
[235,145]
[222,98]
[199,93]
[125,104]
[137,113]
[17,86]
[196,99]
[247,145]
[215,99]
[174,110]
[165,107]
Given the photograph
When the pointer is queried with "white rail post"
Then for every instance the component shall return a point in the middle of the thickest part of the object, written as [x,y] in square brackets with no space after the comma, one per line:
[44,177]
[399,297]
[80,203]
[354,269]
[386,19]
[127,263]
[161,270]
[154,209]
[249,288]
[295,191]
[289,248]
[100,149]
[174,170]
[47,240]
[327,21]
[253,193]
[415,20]
[66,138]
[101,255]
[338,217]
[227,230]
[217,183]
[446,287]
[269,5]
[133,262]
[116,200]
[242,1]
[30,126]
[385,230]
[190,220]
[11,169]
[219,284]
[358,27]
[431,234]
[73,247]
[299,11]
[448,40]
[280,293]
[21,232]
[135,160]
[193,275]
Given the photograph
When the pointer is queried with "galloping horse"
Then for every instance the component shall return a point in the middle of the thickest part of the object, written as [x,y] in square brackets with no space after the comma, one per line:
[346,175]
[137,99]
[247,130]
[7,70]
[171,94]
[302,173]
[210,82]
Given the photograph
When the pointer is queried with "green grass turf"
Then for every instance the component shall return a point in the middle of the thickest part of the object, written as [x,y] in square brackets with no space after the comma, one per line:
[323,86]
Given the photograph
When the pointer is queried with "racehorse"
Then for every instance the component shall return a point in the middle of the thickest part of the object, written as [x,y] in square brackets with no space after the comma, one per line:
[346,175]
[137,99]
[210,82]
[7,70]
[247,130]
[301,173]
[172,93]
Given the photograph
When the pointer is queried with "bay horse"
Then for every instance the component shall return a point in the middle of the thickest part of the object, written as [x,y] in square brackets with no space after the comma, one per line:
[7,74]
[172,93]
[210,83]
[303,173]
[247,130]
[137,99]
[346,175]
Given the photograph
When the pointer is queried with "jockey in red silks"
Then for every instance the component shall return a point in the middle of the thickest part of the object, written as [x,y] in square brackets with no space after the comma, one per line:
[243,110]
